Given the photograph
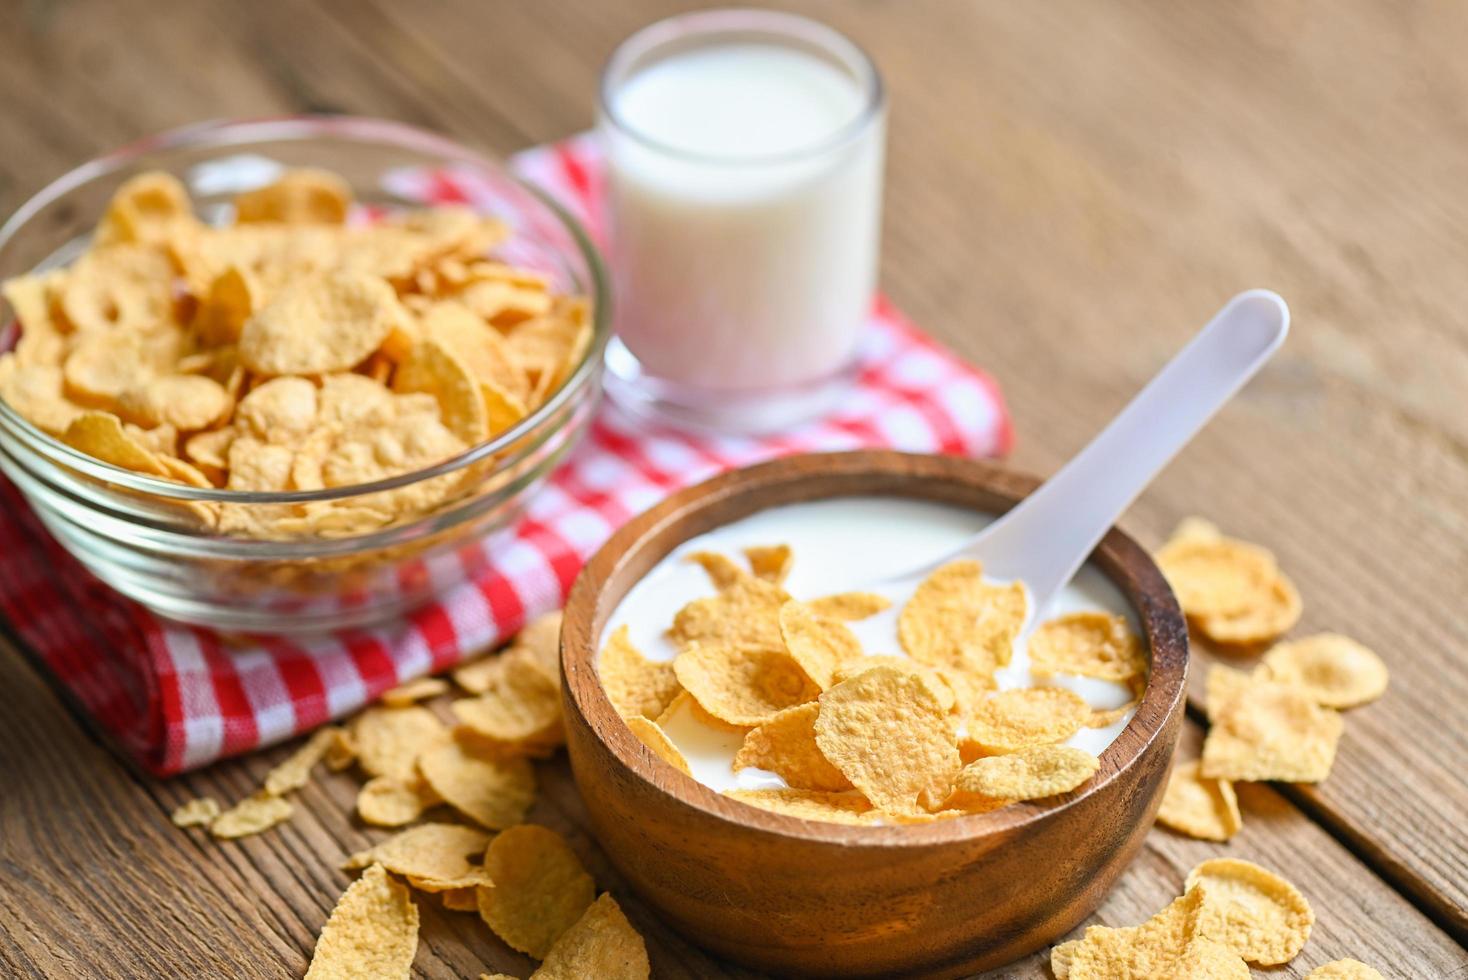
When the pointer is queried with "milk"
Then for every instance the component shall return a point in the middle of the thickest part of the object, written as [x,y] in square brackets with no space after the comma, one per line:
[745,194]
[841,545]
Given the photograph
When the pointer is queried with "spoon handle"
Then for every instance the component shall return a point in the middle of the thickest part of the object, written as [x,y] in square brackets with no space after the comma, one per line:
[1045,539]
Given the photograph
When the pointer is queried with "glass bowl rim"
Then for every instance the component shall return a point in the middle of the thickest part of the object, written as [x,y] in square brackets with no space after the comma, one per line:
[238,132]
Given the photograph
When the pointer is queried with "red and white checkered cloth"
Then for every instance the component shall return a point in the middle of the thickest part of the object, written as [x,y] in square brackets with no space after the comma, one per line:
[177,697]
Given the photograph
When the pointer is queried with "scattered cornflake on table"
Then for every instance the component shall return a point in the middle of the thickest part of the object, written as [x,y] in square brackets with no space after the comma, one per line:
[421,689]
[601,944]
[1344,970]
[433,856]
[1207,809]
[1233,592]
[1333,670]
[1230,912]
[198,812]
[295,771]
[1252,910]
[252,815]
[372,932]
[539,888]
[1271,731]
[491,789]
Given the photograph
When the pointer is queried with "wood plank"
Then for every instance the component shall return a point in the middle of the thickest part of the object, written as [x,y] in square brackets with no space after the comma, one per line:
[1121,169]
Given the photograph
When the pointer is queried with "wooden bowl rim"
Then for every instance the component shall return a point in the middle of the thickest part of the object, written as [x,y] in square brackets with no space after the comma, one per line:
[1118,556]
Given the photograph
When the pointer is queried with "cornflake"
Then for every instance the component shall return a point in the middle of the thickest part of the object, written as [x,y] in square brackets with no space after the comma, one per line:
[1088,644]
[601,944]
[818,644]
[1011,720]
[809,804]
[1333,670]
[1271,731]
[956,619]
[372,932]
[1258,914]
[252,815]
[435,856]
[635,684]
[387,801]
[389,740]
[198,812]
[494,791]
[887,734]
[651,734]
[742,685]
[1028,774]
[1233,591]
[786,745]
[1207,809]
[540,888]
[1344,970]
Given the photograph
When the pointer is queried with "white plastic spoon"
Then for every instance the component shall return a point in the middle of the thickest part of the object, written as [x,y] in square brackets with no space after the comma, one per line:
[1046,538]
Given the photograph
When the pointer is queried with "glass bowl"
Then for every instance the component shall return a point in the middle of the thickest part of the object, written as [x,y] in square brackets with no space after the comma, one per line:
[143,535]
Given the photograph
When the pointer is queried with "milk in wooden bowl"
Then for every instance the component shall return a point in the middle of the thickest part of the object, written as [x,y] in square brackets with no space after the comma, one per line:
[844,800]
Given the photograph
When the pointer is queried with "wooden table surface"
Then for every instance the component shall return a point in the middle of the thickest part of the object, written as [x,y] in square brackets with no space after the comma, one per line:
[1073,187]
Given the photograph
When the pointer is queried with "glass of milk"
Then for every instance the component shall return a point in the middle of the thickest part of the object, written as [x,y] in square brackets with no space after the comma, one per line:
[744,152]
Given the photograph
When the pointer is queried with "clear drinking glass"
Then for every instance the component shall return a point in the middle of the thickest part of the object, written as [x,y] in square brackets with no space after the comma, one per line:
[744,162]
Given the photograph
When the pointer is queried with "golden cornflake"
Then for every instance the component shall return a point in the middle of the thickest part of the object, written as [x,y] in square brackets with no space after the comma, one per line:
[651,734]
[435,855]
[1016,719]
[252,815]
[419,689]
[746,614]
[720,568]
[956,619]
[295,771]
[1150,951]
[432,369]
[770,562]
[1271,732]
[1256,913]
[936,681]
[808,804]
[887,733]
[198,812]
[372,932]
[1089,644]
[144,209]
[634,684]
[818,644]
[1233,591]
[1333,670]
[389,740]
[1207,809]
[302,196]
[1223,685]
[520,711]
[186,401]
[742,685]
[36,392]
[601,944]
[330,323]
[1029,774]
[540,888]
[386,801]
[849,605]
[494,791]
[1344,970]
[102,435]
[786,745]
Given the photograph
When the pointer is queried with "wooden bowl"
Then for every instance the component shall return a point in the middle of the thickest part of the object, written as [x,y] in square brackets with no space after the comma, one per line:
[821,899]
